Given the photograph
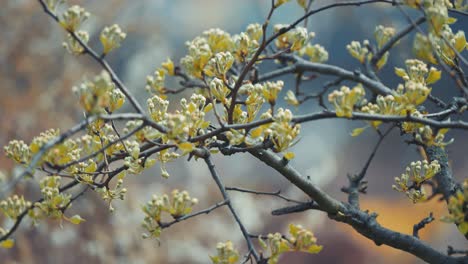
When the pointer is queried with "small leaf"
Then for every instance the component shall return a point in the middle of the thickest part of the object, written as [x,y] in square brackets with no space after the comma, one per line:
[451,20]
[9,243]
[460,43]
[463,227]
[400,72]
[289,155]
[314,249]
[262,242]
[256,132]
[186,147]
[382,61]
[434,76]
[76,219]
[358,131]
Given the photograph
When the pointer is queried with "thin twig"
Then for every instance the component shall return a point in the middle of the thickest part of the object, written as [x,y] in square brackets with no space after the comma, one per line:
[422,224]
[275,194]
[225,195]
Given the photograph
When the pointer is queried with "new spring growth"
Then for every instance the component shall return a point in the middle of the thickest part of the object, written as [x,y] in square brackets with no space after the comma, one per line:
[441,39]
[13,206]
[383,35]
[302,3]
[300,239]
[280,2]
[199,53]
[385,105]
[316,53]
[270,91]
[155,83]
[219,65]
[53,4]
[18,151]
[281,132]
[54,201]
[219,90]
[177,205]
[225,254]
[73,18]
[294,39]
[109,195]
[291,99]
[458,209]
[73,46]
[99,95]
[111,38]
[60,153]
[426,136]
[346,99]
[414,176]
[157,108]
[358,51]
[254,31]
[416,76]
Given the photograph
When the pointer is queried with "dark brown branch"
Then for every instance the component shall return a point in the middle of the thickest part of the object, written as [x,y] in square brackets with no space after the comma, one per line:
[275,194]
[188,216]
[298,208]
[222,189]
[422,224]
[362,222]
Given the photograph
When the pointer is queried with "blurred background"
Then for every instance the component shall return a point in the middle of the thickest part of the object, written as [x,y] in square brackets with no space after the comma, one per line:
[36,77]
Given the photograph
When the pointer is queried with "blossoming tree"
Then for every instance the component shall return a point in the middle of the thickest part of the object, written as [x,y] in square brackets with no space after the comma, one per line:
[233,108]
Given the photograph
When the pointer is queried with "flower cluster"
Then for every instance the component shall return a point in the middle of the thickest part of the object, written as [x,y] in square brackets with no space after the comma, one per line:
[440,40]
[99,95]
[219,65]
[458,209]
[109,195]
[358,51]
[383,35]
[270,91]
[294,39]
[73,46]
[189,121]
[300,240]
[73,18]
[385,105]
[18,151]
[346,99]
[177,205]
[316,53]
[54,202]
[219,91]
[155,83]
[426,136]
[157,108]
[111,37]
[415,175]
[281,131]
[225,254]
[363,52]
[13,206]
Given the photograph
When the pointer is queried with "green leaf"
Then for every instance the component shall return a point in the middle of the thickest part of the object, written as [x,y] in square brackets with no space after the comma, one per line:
[434,76]
[76,220]
[463,227]
[262,242]
[358,131]
[9,243]
[400,72]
